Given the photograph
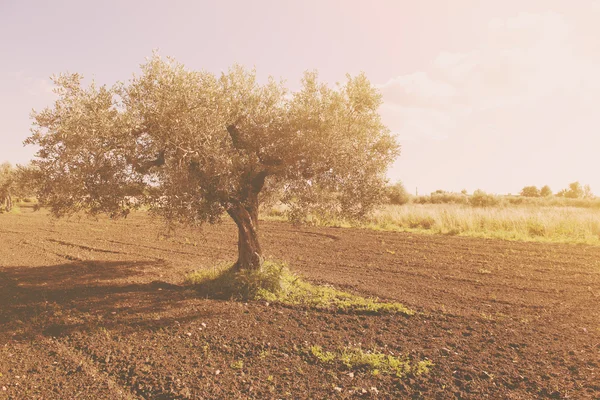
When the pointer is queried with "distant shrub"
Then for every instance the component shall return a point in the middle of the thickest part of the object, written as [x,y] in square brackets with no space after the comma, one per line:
[575,191]
[449,198]
[396,194]
[560,201]
[441,197]
[421,222]
[583,203]
[545,191]
[515,200]
[536,228]
[422,200]
[530,191]
[275,211]
[483,199]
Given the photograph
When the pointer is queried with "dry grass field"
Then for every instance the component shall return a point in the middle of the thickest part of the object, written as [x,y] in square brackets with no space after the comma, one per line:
[559,224]
[529,223]
[99,309]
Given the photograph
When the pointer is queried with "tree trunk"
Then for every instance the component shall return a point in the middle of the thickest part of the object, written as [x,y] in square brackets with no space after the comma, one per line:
[249,252]
[244,212]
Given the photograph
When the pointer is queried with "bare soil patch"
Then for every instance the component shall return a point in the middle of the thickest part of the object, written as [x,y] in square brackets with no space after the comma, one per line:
[97,310]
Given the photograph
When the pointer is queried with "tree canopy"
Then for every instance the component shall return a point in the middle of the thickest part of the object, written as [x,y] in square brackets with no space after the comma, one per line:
[530,191]
[191,146]
[545,191]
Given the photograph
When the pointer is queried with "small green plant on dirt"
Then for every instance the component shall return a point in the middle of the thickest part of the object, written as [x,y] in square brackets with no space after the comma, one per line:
[375,362]
[264,354]
[324,357]
[274,282]
[487,317]
[237,364]
[422,367]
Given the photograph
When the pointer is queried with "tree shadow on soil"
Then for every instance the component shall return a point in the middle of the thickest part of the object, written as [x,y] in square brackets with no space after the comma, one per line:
[59,299]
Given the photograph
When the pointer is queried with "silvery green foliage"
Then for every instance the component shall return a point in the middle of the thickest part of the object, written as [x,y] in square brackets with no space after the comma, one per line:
[190,145]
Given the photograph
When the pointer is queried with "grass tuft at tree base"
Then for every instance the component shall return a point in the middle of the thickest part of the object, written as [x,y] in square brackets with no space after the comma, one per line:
[275,283]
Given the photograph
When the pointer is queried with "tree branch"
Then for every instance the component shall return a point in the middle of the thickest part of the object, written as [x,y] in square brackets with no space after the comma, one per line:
[145,166]
[259,181]
[236,137]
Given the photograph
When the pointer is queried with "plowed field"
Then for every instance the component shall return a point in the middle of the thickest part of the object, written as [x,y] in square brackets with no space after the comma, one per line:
[96,309]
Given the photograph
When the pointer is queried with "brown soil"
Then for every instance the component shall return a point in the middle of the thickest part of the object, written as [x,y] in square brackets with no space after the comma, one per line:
[97,310]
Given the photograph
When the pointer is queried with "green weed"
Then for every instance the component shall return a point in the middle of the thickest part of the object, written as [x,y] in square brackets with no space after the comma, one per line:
[276,283]
[237,365]
[375,362]
[323,357]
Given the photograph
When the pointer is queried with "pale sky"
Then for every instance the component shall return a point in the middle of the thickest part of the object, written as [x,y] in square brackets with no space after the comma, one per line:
[483,94]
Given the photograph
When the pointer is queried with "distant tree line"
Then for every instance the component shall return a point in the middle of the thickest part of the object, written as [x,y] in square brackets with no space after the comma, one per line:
[575,195]
[574,191]
[398,195]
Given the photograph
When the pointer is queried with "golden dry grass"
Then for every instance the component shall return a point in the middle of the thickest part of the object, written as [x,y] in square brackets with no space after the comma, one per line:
[524,222]
[554,224]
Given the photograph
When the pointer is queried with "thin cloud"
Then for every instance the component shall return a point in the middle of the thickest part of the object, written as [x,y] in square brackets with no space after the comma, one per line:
[517,110]
[525,61]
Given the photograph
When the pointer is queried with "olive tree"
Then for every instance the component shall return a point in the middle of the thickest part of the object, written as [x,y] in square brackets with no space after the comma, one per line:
[192,146]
